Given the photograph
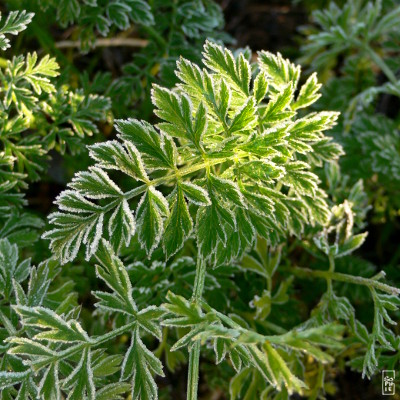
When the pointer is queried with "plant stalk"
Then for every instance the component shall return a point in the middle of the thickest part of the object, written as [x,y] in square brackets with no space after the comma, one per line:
[378,60]
[193,377]
[104,42]
[199,280]
[331,271]
[337,276]
[194,354]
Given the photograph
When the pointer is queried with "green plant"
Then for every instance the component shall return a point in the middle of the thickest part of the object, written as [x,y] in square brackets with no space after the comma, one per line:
[36,117]
[225,176]
[356,47]
[224,227]
[152,35]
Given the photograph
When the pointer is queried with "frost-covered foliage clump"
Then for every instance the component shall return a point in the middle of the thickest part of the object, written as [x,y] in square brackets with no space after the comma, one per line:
[360,40]
[220,236]
[36,116]
[223,165]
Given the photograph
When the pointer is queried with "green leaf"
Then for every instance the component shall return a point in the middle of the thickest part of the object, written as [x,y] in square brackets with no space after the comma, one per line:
[260,361]
[49,385]
[261,204]
[278,108]
[121,225]
[141,12]
[122,157]
[203,88]
[106,365]
[252,264]
[36,73]
[263,145]
[94,184]
[302,182]
[195,194]
[74,229]
[213,224]
[381,336]
[177,111]
[282,374]
[83,110]
[21,228]
[113,391]
[308,93]
[178,226]
[184,313]
[118,13]
[8,379]
[75,202]
[262,170]
[311,340]
[262,304]
[209,230]
[8,263]
[246,230]
[238,382]
[260,87]
[279,71]
[325,150]
[59,330]
[317,208]
[158,148]
[307,128]
[151,209]
[112,271]
[140,363]
[219,350]
[149,320]
[236,71]
[68,11]
[227,190]
[351,244]
[39,354]
[80,383]
[16,22]
[236,360]
[245,118]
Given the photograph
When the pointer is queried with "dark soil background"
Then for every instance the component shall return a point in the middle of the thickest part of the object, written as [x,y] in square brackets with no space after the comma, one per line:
[265,25]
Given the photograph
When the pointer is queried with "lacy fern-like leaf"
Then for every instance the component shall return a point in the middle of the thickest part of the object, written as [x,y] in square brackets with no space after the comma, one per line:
[36,116]
[228,337]
[16,22]
[65,360]
[209,169]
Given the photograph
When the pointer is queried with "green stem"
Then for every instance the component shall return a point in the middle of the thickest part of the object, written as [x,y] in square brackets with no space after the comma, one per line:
[194,354]
[193,377]
[167,178]
[172,26]
[380,63]
[331,270]
[112,334]
[176,175]
[307,273]
[199,280]
[155,35]
[159,350]
[104,42]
